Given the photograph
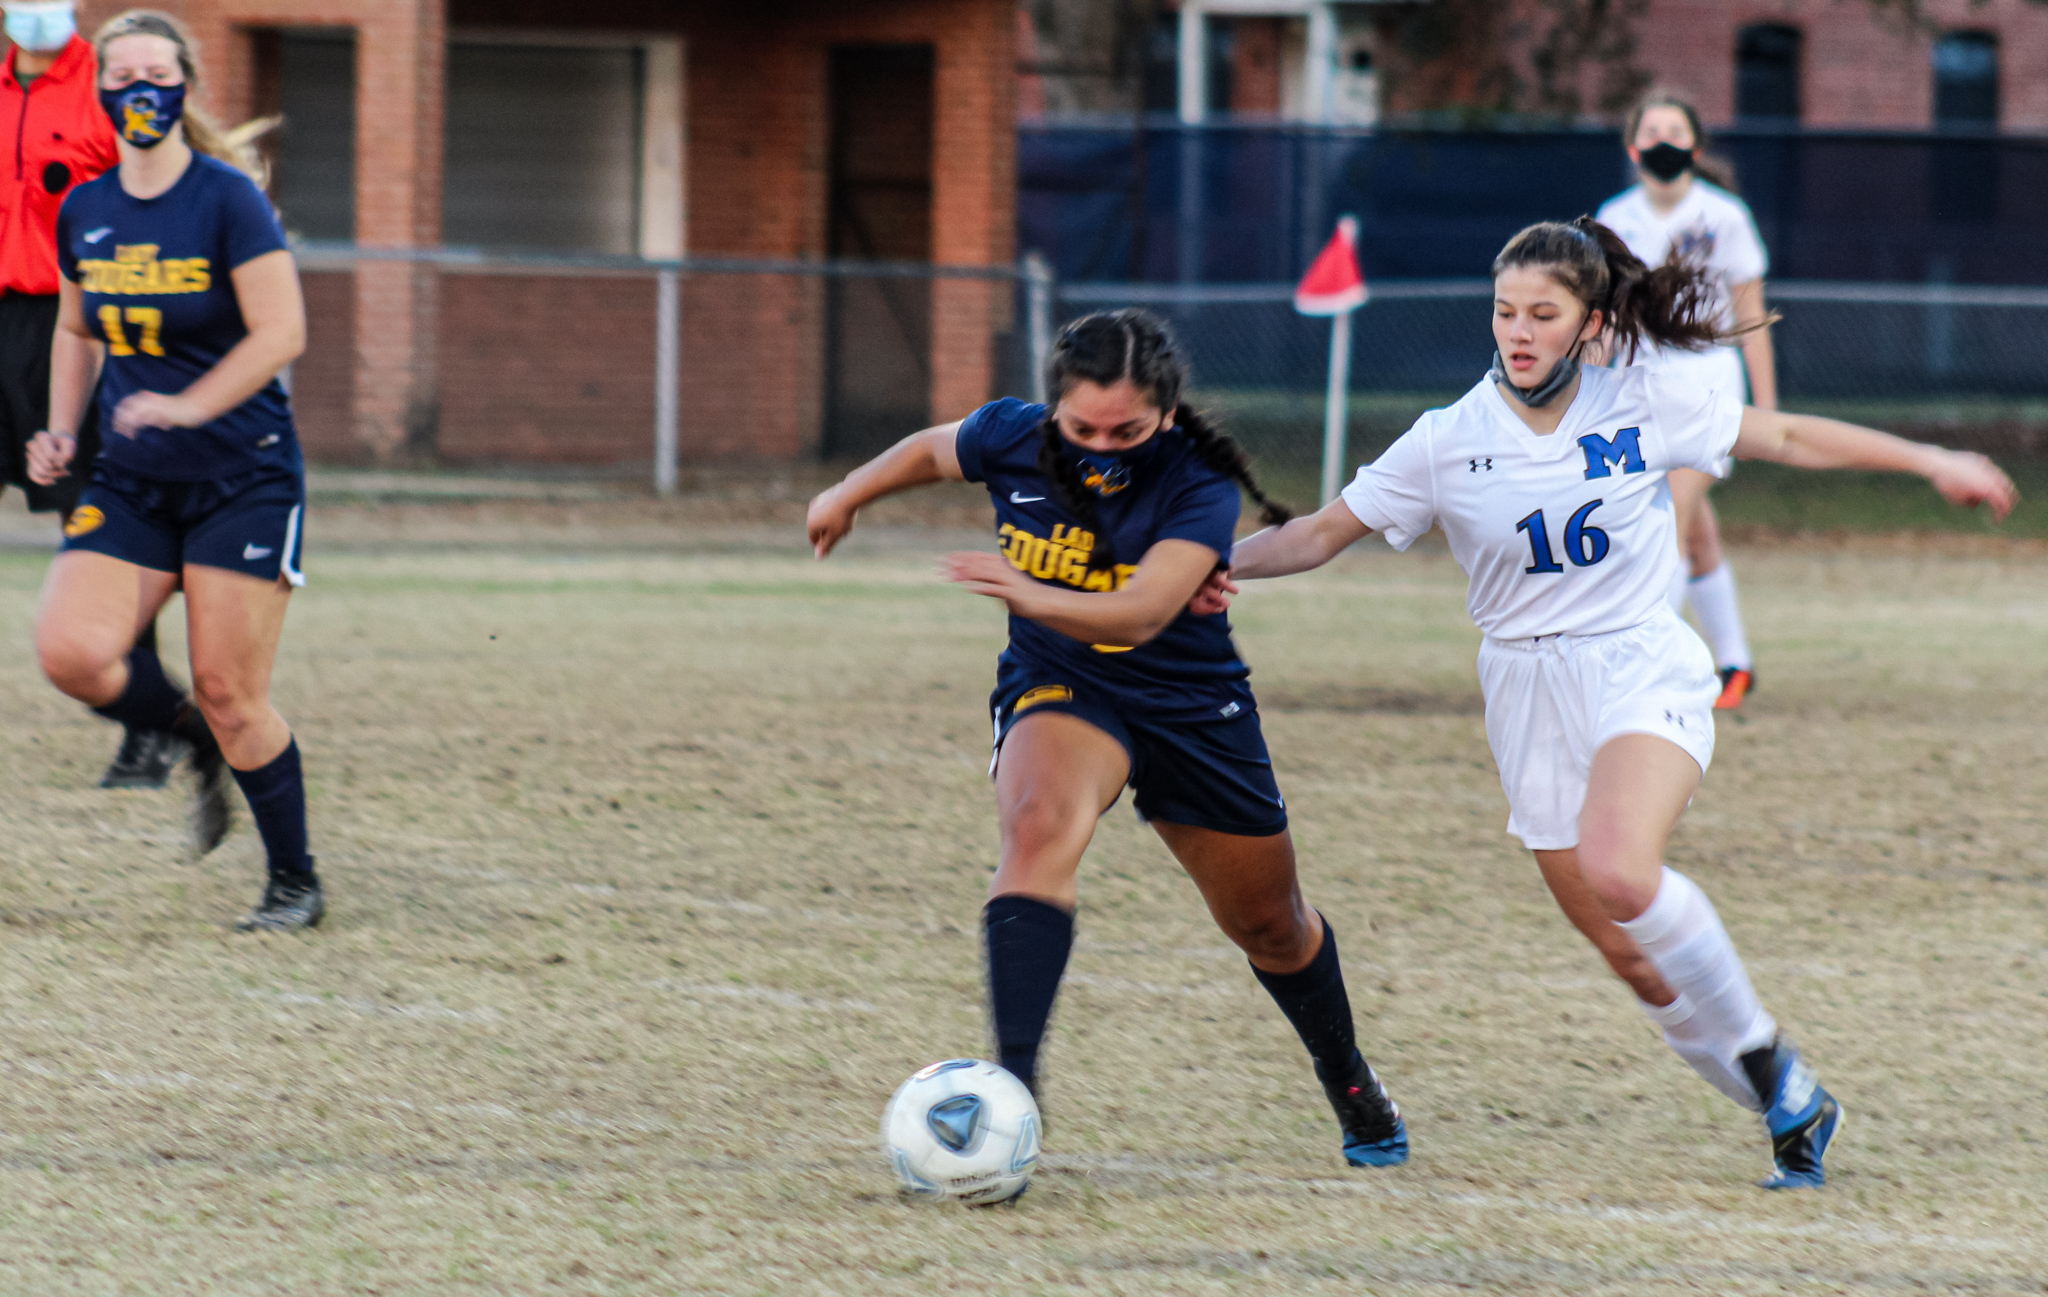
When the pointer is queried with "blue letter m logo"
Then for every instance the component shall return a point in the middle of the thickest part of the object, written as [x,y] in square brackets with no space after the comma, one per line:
[1626,449]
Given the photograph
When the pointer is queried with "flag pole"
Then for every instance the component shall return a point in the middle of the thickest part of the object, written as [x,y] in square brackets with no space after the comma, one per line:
[1334,286]
[1334,404]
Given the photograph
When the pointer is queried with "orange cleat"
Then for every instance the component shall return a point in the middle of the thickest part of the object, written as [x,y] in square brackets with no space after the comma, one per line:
[1736,683]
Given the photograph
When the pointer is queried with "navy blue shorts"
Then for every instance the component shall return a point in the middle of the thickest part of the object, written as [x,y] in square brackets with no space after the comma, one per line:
[251,523]
[1209,774]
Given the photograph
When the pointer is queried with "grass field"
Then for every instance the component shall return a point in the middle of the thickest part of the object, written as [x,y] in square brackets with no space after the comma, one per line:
[655,853]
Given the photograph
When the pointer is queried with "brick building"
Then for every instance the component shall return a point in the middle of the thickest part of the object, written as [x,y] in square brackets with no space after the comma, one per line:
[1838,64]
[1830,64]
[799,129]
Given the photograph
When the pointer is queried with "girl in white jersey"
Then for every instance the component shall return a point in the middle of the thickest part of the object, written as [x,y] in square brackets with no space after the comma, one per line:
[1685,210]
[1550,482]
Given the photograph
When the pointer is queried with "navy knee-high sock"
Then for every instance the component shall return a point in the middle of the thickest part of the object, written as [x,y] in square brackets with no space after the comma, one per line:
[1028,945]
[1314,1001]
[277,800]
[151,701]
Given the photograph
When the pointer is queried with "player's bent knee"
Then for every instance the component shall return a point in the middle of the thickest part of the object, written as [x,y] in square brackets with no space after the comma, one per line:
[1623,893]
[229,707]
[1035,823]
[1270,935]
[76,666]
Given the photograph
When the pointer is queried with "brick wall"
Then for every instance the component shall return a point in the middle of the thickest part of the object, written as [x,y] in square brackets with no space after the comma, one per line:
[484,368]
[323,380]
[546,369]
[759,145]
[1863,67]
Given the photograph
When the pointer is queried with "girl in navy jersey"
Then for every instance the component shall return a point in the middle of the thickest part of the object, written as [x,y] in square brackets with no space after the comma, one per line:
[180,299]
[1113,506]
[1549,482]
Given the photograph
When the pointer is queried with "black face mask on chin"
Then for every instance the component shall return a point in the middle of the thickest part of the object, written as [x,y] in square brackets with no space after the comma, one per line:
[1667,162]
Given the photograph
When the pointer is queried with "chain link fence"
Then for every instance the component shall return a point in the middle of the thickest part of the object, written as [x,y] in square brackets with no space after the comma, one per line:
[636,368]
[1956,363]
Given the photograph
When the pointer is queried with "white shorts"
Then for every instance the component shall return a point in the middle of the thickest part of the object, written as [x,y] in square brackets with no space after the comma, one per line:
[1552,702]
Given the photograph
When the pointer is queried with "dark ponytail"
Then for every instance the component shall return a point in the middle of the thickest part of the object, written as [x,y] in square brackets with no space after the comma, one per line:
[1108,348]
[1671,305]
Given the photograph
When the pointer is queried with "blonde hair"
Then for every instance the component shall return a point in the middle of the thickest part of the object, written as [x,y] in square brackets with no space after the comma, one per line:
[233,147]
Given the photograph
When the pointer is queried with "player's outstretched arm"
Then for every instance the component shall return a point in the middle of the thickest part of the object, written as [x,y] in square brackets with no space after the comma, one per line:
[1165,579]
[1300,545]
[1809,441]
[1297,546]
[917,460]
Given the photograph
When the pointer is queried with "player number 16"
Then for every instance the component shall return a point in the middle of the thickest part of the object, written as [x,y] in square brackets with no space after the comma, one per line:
[1584,544]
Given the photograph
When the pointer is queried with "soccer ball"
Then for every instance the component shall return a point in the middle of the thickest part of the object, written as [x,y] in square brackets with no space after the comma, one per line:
[963,1130]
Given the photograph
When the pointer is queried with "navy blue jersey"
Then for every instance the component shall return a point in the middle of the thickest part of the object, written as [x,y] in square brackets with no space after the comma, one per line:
[156,278]
[1191,670]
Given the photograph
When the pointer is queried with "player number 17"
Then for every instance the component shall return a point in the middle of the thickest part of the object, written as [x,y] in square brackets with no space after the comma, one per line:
[147,318]
[1584,544]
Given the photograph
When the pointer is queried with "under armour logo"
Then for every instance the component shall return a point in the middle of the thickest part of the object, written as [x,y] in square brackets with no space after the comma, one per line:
[1485,462]
[1675,719]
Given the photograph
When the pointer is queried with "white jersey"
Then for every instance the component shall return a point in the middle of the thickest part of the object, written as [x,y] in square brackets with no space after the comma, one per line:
[1569,533]
[1712,228]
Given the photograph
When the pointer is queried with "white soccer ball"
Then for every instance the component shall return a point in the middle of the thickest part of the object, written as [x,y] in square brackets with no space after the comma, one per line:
[963,1130]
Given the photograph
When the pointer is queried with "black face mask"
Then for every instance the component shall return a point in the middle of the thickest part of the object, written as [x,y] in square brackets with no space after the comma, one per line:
[1560,377]
[1667,162]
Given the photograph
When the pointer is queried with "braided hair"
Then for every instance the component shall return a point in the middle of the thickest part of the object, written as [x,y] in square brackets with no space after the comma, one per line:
[1111,347]
[1672,305]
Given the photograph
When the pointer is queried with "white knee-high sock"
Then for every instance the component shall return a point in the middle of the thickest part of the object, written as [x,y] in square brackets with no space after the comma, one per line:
[1684,1032]
[1714,602]
[1684,940]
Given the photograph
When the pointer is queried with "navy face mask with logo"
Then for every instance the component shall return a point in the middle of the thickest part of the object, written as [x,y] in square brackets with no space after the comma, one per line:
[143,113]
[1106,472]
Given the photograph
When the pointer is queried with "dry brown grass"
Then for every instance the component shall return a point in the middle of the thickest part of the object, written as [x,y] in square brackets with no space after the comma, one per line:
[653,872]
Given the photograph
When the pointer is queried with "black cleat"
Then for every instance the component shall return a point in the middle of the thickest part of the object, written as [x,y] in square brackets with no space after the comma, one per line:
[145,760]
[213,807]
[286,907]
[1374,1134]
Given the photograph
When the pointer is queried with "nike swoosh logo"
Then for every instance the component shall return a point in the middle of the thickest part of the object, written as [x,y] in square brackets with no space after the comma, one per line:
[101,233]
[1017,497]
[250,553]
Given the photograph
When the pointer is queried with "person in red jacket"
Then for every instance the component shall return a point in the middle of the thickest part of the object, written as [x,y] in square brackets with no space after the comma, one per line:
[60,138]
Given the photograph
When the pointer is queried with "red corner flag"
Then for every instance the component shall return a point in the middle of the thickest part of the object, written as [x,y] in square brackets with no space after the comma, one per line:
[1333,285]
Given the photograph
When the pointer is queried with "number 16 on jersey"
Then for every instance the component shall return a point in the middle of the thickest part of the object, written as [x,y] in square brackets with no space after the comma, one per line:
[1584,544]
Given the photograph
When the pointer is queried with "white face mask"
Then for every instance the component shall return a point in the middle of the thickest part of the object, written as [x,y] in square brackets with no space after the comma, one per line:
[43,26]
